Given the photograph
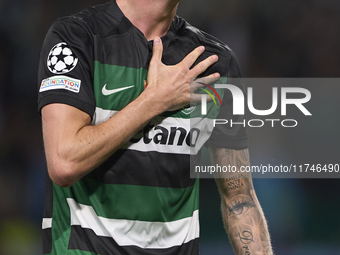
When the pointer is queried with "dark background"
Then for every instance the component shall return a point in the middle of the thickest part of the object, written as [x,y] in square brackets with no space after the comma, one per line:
[272,38]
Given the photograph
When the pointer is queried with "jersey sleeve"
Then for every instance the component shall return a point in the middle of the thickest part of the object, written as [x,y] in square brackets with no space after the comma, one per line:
[225,135]
[66,67]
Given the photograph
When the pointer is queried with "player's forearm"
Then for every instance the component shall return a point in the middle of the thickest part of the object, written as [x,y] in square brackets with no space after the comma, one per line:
[109,136]
[73,155]
[242,214]
[246,225]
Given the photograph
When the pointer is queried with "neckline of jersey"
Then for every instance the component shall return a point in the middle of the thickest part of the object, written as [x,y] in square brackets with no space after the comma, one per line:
[126,25]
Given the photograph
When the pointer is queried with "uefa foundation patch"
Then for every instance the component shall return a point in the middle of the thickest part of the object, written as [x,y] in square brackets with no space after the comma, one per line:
[60,82]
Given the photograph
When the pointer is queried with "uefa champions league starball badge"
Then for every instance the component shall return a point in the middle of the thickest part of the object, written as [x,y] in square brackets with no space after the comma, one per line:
[61,59]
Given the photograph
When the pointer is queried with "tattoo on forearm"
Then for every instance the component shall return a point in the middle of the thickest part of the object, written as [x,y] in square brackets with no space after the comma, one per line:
[229,182]
[246,237]
[236,158]
[246,225]
[242,214]
[233,184]
[240,205]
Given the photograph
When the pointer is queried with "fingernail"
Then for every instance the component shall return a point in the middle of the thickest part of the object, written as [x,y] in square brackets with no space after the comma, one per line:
[215,57]
[202,48]
[217,75]
[157,40]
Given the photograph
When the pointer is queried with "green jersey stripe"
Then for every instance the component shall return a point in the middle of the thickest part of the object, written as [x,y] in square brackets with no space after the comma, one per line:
[79,252]
[61,227]
[133,202]
[76,252]
[109,80]
[116,86]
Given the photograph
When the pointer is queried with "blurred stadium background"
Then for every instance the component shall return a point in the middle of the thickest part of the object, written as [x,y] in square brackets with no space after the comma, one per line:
[272,38]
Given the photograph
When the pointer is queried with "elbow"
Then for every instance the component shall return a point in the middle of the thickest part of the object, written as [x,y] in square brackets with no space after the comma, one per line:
[63,174]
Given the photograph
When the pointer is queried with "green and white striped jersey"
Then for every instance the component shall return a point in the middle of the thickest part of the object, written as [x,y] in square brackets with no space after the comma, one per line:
[142,199]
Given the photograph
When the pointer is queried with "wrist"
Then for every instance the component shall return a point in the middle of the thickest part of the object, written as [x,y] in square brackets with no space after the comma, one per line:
[152,102]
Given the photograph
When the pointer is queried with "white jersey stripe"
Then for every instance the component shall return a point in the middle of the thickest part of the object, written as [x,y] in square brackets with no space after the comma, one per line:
[153,235]
[102,115]
[46,223]
[162,126]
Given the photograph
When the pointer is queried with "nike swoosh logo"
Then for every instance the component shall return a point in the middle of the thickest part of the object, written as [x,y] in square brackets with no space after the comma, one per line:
[107,92]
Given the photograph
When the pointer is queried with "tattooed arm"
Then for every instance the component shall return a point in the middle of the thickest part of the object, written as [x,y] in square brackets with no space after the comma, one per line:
[241,211]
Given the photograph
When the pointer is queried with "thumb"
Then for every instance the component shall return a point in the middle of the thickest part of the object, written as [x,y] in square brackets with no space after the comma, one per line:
[157,50]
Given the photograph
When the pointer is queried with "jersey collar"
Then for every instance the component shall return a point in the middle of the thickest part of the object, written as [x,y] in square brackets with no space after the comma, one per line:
[125,26]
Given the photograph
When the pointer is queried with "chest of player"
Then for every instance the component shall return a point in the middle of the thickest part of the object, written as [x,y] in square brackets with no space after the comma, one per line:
[116,86]
[120,71]
[120,68]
